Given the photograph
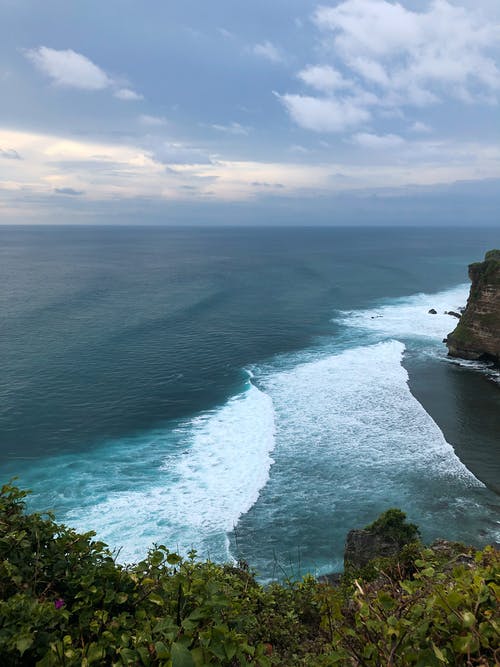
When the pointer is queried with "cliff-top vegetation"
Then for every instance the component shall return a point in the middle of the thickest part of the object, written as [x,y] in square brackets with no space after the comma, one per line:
[64,600]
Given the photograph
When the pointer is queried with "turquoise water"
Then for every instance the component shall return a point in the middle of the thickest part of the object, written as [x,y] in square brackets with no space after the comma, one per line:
[250,393]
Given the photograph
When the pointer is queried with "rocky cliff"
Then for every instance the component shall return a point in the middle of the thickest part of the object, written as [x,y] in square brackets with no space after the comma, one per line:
[477,335]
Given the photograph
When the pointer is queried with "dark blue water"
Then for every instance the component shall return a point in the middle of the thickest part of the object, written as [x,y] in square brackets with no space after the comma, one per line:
[150,376]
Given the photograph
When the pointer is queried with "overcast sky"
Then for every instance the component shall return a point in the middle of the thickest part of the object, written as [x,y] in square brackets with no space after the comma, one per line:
[230,111]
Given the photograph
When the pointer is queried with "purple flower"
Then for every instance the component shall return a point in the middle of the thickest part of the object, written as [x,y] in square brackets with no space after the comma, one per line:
[59,603]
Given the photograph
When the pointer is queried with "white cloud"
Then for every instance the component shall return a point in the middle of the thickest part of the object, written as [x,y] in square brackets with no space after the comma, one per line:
[392,57]
[269,51]
[232,128]
[416,57]
[324,115]
[323,77]
[378,142]
[226,33]
[420,128]
[152,121]
[91,171]
[127,95]
[68,68]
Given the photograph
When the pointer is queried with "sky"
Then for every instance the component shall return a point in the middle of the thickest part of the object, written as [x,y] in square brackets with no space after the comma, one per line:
[263,112]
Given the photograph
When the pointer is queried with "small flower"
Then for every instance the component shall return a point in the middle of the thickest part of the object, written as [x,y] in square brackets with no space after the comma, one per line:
[59,603]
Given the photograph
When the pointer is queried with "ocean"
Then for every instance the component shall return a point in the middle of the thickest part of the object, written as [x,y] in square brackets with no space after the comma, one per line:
[250,393]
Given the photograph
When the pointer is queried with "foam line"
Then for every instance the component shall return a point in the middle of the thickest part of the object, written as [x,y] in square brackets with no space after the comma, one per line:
[201,492]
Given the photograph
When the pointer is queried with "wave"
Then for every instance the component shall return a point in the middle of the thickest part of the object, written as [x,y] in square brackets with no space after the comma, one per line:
[346,437]
[409,317]
[206,489]
[351,441]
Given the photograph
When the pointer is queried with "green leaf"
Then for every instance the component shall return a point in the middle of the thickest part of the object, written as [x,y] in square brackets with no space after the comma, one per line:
[468,619]
[181,656]
[23,643]
[173,559]
[94,653]
[439,654]
[156,599]
[462,644]
[162,651]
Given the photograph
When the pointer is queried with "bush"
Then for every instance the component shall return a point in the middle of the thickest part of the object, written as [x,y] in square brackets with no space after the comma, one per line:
[65,601]
[393,524]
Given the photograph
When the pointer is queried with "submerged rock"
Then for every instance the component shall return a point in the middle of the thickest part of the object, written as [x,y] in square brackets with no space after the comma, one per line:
[477,335]
[453,314]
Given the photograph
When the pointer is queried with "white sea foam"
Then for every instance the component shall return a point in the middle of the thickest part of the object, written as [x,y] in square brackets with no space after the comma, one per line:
[409,317]
[351,441]
[357,405]
[200,494]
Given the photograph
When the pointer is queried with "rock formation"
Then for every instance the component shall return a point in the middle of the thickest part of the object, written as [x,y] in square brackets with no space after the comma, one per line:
[477,335]
[385,537]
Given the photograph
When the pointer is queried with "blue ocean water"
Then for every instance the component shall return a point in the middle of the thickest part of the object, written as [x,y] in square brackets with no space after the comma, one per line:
[249,392]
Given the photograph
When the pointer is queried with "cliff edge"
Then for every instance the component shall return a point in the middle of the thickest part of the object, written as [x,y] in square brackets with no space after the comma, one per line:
[477,335]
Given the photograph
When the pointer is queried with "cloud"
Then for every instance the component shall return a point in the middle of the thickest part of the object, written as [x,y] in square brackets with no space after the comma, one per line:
[68,191]
[69,69]
[177,153]
[260,184]
[232,128]
[152,121]
[380,57]
[9,154]
[226,33]
[323,114]
[378,142]
[268,51]
[415,57]
[323,77]
[111,172]
[127,95]
[420,128]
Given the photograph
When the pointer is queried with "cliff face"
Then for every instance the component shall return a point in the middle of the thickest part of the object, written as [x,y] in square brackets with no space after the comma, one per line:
[477,335]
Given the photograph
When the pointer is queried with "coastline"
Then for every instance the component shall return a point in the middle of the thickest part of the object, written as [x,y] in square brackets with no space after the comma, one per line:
[465,404]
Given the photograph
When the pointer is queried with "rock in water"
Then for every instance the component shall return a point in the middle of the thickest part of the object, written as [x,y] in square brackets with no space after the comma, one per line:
[477,335]
[385,537]
[433,311]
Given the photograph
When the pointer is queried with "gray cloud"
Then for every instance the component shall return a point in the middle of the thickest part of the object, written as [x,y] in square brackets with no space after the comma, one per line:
[69,191]
[172,153]
[9,154]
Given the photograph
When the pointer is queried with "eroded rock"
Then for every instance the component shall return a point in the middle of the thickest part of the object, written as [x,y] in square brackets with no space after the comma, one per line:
[477,335]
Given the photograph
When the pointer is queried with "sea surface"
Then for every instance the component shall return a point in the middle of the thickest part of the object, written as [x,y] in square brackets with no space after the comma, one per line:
[250,393]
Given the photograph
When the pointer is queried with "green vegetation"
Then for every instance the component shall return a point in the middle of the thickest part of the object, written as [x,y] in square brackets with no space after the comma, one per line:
[492,255]
[393,524]
[65,601]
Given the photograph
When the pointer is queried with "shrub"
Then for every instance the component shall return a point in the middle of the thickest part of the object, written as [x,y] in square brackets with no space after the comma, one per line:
[65,601]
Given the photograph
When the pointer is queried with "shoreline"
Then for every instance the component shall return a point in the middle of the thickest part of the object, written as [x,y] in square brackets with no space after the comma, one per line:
[465,404]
